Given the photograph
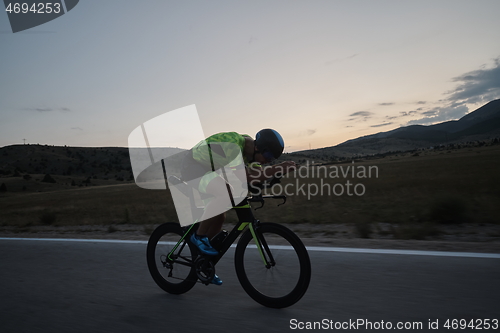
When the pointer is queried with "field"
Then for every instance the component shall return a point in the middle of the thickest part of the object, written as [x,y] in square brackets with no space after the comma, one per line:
[438,195]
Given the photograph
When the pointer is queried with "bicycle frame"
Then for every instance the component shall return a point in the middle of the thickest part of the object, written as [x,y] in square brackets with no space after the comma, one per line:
[246,219]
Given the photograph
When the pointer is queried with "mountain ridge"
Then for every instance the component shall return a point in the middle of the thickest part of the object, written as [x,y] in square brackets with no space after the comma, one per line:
[480,124]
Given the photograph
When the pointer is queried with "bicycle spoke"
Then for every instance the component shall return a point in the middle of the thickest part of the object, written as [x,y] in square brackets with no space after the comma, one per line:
[170,262]
[285,278]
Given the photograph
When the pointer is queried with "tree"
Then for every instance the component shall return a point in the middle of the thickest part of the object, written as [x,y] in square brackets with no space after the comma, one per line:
[48,179]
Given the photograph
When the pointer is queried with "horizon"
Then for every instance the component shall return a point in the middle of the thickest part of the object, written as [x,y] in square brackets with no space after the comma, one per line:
[170,147]
[347,70]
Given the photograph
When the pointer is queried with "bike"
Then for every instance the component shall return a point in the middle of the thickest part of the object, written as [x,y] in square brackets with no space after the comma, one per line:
[271,262]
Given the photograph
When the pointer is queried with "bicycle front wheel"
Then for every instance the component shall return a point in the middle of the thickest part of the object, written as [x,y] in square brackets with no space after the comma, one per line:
[171,261]
[275,272]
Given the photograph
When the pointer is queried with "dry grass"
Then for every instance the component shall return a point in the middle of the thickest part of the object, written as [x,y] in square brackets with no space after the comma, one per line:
[101,205]
[416,195]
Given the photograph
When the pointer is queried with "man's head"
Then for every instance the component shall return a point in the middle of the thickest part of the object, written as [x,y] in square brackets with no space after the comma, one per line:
[269,145]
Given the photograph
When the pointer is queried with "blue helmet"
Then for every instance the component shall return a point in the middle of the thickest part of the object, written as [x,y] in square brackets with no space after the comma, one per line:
[270,143]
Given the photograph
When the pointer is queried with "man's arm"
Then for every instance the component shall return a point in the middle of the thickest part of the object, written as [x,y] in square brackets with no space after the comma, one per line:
[260,174]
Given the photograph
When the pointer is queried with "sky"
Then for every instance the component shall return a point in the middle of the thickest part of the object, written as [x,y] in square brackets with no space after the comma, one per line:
[319,71]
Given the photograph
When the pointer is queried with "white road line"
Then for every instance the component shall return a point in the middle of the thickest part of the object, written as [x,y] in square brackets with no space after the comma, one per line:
[406,252]
[309,248]
[77,240]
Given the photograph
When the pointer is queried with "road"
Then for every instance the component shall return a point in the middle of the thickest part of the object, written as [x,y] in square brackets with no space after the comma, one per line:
[60,286]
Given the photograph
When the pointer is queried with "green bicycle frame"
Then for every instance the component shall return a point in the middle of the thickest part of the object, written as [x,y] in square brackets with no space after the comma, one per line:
[246,219]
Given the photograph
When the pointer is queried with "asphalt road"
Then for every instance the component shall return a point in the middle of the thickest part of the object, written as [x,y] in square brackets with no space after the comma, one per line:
[57,286]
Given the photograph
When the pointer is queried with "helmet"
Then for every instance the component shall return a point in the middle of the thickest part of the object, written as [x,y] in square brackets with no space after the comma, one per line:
[269,143]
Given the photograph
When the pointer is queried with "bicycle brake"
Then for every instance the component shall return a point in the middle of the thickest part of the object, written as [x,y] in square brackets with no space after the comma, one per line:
[261,205]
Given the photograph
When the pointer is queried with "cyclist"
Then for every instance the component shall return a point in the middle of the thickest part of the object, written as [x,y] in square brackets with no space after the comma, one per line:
[267,146]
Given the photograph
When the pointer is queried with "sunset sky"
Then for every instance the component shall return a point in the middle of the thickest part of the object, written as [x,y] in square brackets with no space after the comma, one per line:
[319,72]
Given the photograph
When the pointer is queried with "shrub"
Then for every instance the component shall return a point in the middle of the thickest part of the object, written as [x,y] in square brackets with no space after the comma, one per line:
[363,229]
[112,229]
[126,216]
[415,231]
[48,179]
[148,230]
[449,211]
[47,217]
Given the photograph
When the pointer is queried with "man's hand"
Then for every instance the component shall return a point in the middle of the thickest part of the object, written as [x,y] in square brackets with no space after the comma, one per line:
[262,174]
[287,166]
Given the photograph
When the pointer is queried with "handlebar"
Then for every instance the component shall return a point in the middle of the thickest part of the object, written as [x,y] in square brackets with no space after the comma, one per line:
[256,191]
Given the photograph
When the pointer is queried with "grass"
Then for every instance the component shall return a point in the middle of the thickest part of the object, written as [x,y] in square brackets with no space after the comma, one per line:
[126,217]
[47,217]
[415,231]
[112,229]
[104,205]
[363,229]
[417,195]
[449,210]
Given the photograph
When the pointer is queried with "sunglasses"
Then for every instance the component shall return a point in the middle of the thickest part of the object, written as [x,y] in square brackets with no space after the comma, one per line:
[268,156]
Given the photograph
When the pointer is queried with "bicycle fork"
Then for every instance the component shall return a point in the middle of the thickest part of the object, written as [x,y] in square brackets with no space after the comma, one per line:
[262,247]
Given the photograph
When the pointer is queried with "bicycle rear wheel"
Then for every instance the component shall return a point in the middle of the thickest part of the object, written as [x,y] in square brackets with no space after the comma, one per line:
[170,262]
[285,279]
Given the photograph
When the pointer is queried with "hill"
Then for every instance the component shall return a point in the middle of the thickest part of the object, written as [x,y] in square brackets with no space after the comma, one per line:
[96,163]
[481,124]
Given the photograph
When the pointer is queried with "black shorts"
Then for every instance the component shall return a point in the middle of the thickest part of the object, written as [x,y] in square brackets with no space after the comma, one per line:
[191,169]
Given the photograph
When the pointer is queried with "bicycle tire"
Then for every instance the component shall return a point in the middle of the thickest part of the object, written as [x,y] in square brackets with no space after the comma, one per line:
[180,277]
[283,284]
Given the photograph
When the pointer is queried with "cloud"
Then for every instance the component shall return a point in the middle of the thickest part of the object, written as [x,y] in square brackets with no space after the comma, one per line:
[386,104]
[402,114]
[407,113]
[441,114]
[45,109]
[479,86]
[361,114]
[430,113]
[340,59]
[77,128]
[421,102]
[307,132]
[311,131]
[384,124]
[40,109]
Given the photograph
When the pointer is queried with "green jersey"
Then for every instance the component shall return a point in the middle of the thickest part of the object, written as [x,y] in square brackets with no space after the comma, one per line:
[220,149]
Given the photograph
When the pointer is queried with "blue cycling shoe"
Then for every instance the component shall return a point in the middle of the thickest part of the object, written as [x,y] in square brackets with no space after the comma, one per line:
[216,280]
[204,246]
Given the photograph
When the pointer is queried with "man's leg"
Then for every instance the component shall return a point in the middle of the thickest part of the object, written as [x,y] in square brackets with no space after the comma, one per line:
[211,226]
[214,214]
[212,219]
